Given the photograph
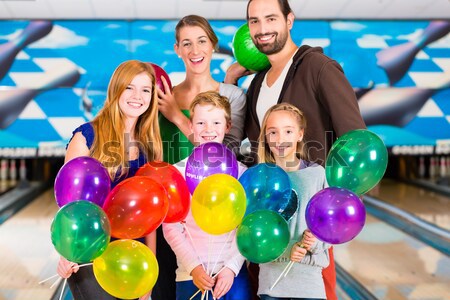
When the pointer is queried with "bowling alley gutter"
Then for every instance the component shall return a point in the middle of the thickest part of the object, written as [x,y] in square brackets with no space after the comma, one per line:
[428,233]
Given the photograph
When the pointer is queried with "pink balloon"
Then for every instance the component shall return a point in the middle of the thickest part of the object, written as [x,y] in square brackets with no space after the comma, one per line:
[335,215]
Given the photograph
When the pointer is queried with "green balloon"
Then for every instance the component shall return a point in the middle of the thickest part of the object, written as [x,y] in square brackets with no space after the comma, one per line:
[262,236]
[357,161]
[246,53]
[80,231]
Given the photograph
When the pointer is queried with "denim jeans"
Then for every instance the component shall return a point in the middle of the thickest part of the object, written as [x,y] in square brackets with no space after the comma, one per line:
[240,290]
[266,297]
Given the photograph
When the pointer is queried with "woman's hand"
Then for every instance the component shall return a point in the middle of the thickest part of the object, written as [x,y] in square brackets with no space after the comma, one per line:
[66,268]
[234,72]
[167,104]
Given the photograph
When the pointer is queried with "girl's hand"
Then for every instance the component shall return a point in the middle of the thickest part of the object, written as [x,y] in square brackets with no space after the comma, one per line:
[308,240]
[66,268]
[224,281]
[166,102]
[202,280]
[297,252]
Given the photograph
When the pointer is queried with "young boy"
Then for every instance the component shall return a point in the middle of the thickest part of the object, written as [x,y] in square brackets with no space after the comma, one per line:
[210,120]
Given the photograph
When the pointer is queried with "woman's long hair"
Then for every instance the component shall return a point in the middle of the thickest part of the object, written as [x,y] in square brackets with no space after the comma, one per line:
[110,143]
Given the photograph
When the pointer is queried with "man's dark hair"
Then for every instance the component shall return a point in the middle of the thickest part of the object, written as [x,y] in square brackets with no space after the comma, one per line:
[284,6]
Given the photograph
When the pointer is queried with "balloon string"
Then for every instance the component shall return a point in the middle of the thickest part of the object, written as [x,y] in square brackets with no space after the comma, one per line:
[192,242]
[56,282]
[209,253]
[288,266]
[53,276]
[220,253]
[41,282]
[62,290]
[199,290]
[84,265]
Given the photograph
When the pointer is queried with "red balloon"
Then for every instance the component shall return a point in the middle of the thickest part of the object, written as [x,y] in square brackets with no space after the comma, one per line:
[158,73]
[136,207]
[175,185]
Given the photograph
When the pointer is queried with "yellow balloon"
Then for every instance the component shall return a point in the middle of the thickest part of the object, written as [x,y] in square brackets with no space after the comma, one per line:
[127,269]
[218,204]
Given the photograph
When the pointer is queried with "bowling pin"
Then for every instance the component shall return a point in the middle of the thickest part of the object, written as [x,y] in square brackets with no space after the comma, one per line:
[421,167]
[395,106]
[4,170]
[448,167]
[13,101]
[432,168]
[33,32]
[12,170]
[397,60]
[22,170]
[443,168]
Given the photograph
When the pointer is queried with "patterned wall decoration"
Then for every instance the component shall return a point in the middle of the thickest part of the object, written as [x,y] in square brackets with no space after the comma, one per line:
[53,75]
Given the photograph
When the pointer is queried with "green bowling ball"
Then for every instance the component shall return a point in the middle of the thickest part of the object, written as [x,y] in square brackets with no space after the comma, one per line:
[246,53]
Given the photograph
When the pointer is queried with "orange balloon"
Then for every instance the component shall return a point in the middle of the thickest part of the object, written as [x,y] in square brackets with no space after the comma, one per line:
[175,185]
[136,207]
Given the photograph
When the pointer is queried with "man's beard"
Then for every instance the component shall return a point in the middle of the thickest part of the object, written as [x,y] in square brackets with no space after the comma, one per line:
[275,47]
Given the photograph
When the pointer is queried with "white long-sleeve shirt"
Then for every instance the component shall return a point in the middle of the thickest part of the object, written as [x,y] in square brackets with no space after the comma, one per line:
[204,248]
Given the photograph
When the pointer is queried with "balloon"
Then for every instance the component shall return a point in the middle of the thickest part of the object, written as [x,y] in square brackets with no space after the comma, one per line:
[335,215]
[80,231]
[218,204]
[175,185]
[246,53]
[267,186]
[291,208]
[127,269]
[158,73]
[82,178]
[357,161]
[136,207]
[208,159]
[263,236]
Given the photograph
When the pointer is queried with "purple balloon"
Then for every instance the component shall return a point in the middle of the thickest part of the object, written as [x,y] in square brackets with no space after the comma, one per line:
[82,178]
[208,159]
[335,215]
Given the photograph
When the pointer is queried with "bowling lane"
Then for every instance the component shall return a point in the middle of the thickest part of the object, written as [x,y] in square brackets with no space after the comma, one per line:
[393,265]
[427,205]
[27,252]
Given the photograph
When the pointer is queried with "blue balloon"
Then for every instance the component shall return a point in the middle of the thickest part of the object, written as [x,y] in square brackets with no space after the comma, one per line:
[267,186]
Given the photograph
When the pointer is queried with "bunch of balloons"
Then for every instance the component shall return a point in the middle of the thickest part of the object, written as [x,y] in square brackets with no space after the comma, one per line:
[91,213]
[355,164]
[264,234]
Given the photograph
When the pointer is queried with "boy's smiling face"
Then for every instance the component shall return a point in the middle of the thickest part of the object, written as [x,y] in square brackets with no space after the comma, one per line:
[209,124]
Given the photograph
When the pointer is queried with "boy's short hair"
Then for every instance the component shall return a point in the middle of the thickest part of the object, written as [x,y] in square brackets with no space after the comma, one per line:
[213,98]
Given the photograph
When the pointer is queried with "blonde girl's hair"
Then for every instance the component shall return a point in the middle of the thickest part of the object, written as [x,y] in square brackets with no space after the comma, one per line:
[212,98]
[195,20]
[264,153]
[110,143]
